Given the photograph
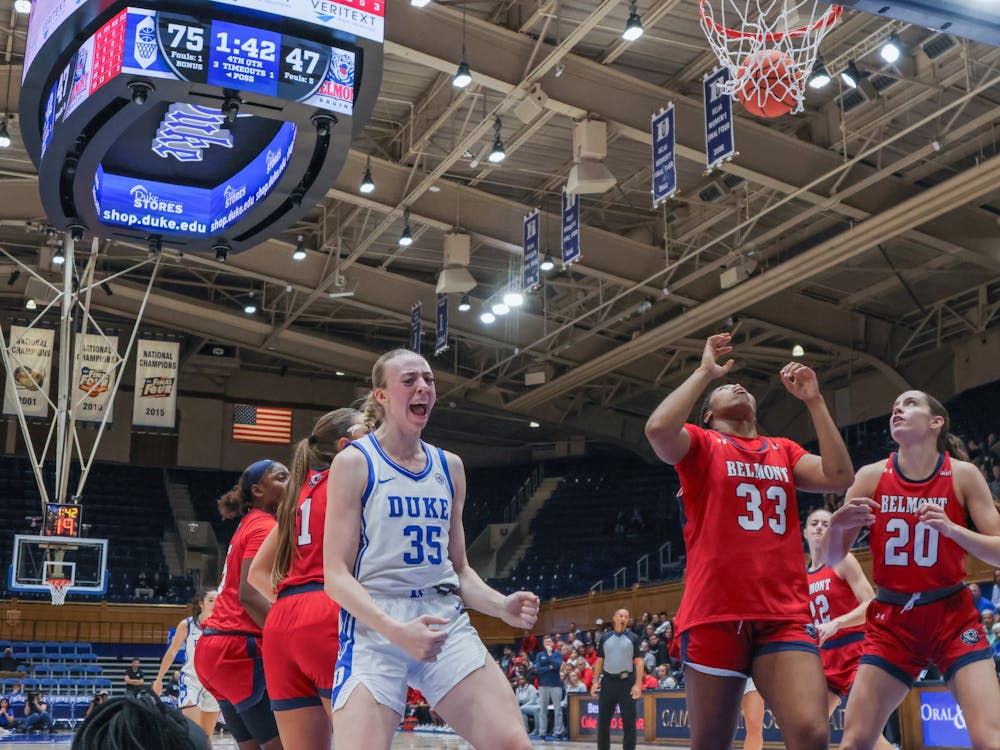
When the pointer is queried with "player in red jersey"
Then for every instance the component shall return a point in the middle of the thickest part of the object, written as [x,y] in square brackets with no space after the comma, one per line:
[916,503]
[744,610]
[838,600]
[228,660]
[300,635]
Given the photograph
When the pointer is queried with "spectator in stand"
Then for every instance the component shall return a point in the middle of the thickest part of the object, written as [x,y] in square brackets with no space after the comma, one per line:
[650,682]
[585,672]
[506,662]
[995,480]
[135,680]
[7,719]
[981,602]
[173,687]
[664,623]
[573,684]
[989,618]
[590,653]
[418,708]
[96,701]
[995,597]
[529,644]
[657,649]
[36,714]
[547,665]
[527,699]
[648,657]
[17,698]
[9,665]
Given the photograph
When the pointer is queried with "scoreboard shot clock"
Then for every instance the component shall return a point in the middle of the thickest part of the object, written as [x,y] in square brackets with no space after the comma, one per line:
[200,126]
[62,519]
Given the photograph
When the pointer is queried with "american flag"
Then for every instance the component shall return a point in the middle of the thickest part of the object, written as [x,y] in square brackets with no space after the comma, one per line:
[262,424]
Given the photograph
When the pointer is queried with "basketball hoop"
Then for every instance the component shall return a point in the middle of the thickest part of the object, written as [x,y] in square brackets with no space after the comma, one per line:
[58,587]
[767,49]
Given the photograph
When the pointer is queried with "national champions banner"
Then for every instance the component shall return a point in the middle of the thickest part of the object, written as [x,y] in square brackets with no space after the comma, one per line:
[570,228]
[30,351]
[94,373]
[155,402]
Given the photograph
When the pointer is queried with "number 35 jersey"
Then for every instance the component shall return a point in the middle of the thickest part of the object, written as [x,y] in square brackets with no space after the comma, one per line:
[908,556]
[741,530]
[405,519]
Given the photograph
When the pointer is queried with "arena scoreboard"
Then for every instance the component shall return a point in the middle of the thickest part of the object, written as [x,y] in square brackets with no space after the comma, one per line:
[62,519]
[205,126]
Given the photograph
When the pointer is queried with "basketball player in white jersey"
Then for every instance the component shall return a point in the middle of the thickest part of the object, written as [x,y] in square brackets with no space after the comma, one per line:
[194,701]
[394,558]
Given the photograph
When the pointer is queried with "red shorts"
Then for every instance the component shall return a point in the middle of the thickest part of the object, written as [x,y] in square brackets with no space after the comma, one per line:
[728,648]
[300,648]
[231,669]
[840,661]
[946,633]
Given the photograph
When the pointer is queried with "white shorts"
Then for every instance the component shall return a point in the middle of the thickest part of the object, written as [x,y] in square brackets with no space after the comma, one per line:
[366,658]
[193,694]
[750,687]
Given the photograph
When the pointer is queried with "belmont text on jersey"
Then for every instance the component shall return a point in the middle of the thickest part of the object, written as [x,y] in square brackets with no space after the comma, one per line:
[418,507]
[908,504]
[757,471]
[816,587]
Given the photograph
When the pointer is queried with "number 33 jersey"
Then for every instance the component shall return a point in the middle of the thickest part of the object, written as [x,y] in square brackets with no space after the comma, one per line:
[908,556]
[405,520]
[741,530]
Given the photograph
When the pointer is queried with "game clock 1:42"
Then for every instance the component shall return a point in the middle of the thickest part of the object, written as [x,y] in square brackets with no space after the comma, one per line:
[241,57]
[62,519]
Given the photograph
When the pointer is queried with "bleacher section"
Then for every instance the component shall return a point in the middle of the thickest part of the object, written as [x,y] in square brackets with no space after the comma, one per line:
[205,488]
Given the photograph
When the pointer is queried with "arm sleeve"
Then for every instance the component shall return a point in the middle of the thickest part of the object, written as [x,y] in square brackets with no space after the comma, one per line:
[635,648]
[256,537]
[600,648]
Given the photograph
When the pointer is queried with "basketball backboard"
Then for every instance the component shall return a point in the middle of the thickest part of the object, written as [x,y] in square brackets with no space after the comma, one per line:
[978,20]
[37,559]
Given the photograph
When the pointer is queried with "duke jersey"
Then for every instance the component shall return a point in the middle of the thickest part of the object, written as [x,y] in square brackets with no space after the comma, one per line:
[908,556]
[307,557]
[229,614]
[830,596]
[190,643]
[744,553]
[405,520]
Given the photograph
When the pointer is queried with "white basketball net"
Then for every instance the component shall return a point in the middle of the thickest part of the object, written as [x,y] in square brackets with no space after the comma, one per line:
[742,32]
[58,587]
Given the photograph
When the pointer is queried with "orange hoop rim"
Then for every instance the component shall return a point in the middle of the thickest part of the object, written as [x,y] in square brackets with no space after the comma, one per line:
[827,19]
[58,583]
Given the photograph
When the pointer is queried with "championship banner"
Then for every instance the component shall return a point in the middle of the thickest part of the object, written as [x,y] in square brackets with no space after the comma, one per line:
[441,339]
[155,401]
[664,155]
[718,119]
[570,228]
[530,277]
[30,351]
[93,377]
[415,313]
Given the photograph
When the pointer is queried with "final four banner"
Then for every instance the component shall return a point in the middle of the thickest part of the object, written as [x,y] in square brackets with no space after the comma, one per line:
[94,374]
[30,351]
[415,312]
[664,155]
[155,402]
[441,339]
[718,119]
[530,278]
[570,228]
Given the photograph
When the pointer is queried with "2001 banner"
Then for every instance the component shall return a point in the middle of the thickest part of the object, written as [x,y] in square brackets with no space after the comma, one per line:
[30,352]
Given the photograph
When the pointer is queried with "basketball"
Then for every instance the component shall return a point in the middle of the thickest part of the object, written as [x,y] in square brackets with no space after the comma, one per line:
[768,83]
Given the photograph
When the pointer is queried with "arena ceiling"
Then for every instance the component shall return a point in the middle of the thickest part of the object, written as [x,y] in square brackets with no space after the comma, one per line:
[868,225]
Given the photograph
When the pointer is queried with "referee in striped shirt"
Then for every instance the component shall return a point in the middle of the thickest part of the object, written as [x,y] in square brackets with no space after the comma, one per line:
[618,674]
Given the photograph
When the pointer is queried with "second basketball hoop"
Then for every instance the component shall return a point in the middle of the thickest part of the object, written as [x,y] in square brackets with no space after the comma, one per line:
[769,48]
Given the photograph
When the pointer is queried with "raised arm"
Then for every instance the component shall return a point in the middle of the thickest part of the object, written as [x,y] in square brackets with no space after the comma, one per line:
[665,426]
[970,486]
[347,485]
[831,470]
[263,562]
[520,609]
[180,635]
[857,512]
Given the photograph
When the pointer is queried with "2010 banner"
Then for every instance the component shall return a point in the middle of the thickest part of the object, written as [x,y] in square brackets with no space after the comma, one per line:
[155,401]
[94,371]
[30,352]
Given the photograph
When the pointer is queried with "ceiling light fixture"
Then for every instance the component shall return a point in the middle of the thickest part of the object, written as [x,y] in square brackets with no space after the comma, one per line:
[367,183]
[488,318]
[499,308]
[419,3]
[633,27]
[891,50]
[4,134]
[464,305]
[497,153]
[463,76]
[14,276]
[798,351]
[850,75]
[406,238]
[820,76]
[513,299]
[107,288]
[31,304]
[22,6]
[299,253]
[533,424]
[547,263]
[59,258]
[250,307]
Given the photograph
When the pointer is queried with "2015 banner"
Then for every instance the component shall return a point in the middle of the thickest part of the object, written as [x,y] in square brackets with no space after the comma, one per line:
[155,401]
[30,352]
[94,371]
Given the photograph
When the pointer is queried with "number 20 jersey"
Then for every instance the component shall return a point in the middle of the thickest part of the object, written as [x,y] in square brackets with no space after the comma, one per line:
[405,520]
[908,556]
[744,548]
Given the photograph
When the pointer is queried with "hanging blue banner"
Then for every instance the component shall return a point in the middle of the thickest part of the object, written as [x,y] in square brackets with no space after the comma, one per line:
[664,155]
[415,313]
[718,119]
[530,278]
[441,339]
[570,228]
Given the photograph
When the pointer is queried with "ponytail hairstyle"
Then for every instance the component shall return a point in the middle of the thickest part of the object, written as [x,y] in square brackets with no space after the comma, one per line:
[314,452]
[239,500]
[198,599]
[946,441]
[374,413]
